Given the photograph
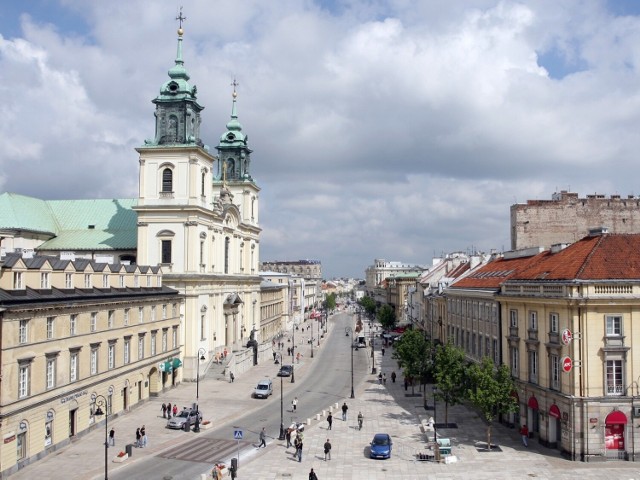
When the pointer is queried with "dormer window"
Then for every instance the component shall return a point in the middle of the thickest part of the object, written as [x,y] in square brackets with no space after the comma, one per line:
[173,87]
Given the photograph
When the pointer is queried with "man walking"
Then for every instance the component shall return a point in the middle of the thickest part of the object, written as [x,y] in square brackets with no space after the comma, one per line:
[327,450]
[169,410]
[287,436]
[294,404]
[524,431]
[263,438]
[299,451]
[143,435]
[164,410]
[312,475]
[329,420]
[344,411]
[112,437]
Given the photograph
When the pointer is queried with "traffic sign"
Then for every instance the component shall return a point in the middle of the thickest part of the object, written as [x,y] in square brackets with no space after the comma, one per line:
[567,364]
[567,336]
[237,434]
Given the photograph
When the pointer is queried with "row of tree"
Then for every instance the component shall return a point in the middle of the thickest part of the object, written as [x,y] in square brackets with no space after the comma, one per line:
[489,389]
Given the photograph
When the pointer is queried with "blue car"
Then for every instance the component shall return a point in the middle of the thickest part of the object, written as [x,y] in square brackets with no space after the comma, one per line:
[381,446]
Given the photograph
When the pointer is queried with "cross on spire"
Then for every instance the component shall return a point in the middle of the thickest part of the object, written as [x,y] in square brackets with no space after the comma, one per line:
[234,84]
[180,18]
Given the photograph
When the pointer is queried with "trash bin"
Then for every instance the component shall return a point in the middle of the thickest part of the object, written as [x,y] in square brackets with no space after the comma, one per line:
[374,370]
[129,449]
[186,426]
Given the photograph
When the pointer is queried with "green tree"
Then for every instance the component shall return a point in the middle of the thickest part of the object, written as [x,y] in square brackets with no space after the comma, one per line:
[368,304]
[330,302]
[411,351]
[490,391]
[450,376]
[386,317]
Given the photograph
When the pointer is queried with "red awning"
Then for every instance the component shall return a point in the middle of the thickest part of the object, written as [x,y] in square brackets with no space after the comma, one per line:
[533,403]
[554,411]
[616,417]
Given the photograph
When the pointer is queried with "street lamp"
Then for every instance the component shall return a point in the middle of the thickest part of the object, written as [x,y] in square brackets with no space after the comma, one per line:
[319,321]
[311,340]
[349,330]
[101,401]
[435,415]
[293,353]
[282,435]
[373,343]
[201,352]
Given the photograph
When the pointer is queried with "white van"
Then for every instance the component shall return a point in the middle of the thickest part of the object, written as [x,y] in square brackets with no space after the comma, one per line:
[263,389]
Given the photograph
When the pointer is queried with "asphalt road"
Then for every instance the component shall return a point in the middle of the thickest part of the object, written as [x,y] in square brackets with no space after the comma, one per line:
[326,382]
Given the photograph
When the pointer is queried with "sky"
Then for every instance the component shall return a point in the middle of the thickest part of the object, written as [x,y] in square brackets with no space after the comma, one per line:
[390,129]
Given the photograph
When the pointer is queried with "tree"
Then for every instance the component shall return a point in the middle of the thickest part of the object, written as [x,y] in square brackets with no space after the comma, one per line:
[330,302]
[368,304]
[386,317]
[411,353]
[450,376]
[490,391]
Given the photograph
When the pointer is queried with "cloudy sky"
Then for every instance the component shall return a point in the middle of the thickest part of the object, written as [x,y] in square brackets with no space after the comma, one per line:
[395,129]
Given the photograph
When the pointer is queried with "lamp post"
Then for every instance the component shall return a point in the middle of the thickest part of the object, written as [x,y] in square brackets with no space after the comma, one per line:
[349,331]
[293,353]
[201,352]
[435,415]
[319,321]
[282,436]
[101,401]
[373,343]
[311,339]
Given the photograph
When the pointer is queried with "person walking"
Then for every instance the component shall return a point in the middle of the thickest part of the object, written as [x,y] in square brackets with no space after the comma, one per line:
[175,410]
[143,434]
[112,437]
[380,378]
[382,349]
[329,420]
[215,473]
[312,475]
[294,404]
[344,411]
[327,450]
[524,431]
[138,437]
[263,438]
[287,436]
[164,410]
[232,377]
[169,410]
[384,378]
[360,420]
[393,377]
[299,451]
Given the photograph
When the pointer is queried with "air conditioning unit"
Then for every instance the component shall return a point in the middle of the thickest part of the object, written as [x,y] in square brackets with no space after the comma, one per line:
[636,411]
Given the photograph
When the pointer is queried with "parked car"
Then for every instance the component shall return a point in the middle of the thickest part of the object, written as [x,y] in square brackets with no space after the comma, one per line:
[381,446]
[285,371]
[186,415]
[263,389]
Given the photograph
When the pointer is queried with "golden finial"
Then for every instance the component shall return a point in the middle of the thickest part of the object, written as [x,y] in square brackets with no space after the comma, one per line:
[180,19]
[234,84]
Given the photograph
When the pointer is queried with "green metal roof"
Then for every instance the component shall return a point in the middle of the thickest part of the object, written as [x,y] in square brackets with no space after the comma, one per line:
[94,224]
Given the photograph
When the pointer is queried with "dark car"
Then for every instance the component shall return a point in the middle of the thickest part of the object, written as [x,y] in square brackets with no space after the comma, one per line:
[381,446]
[285,371]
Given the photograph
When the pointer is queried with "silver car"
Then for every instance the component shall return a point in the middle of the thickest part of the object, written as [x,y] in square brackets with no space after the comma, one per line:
[186,415]
[263,389]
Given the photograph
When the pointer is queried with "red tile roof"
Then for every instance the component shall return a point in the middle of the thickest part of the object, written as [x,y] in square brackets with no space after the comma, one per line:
[494,273]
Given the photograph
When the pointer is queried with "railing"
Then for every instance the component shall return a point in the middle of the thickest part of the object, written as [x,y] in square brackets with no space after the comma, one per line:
[613,289]
[615,389]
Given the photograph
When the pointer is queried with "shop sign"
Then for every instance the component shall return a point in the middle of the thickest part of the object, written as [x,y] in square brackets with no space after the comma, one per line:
[9,439]
[567,336]
[73,396]
[567,364]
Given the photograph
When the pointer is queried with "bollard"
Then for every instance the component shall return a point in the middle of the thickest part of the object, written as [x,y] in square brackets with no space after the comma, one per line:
[317,416]
[324,412]
[308,421]
[337,405]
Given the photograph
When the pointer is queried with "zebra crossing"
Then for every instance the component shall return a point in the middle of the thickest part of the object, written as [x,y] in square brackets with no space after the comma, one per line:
[206,450]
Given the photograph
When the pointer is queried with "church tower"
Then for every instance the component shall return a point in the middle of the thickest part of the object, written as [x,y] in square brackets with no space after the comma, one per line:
[201,228]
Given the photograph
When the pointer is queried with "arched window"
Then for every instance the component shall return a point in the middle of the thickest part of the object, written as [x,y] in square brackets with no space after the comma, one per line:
[227,242]
[167,180]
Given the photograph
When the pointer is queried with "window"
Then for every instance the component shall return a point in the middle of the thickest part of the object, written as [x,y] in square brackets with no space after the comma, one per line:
[167,180]
[21,446]
[126,317]
[148,280]
[164,312]
[554,322]
[24,380]
[555,372]
[51,373]
[48,433]
[136,280]
[105,281]
[87,280]
[202,327]
[533,320]
[111,315]
[514,361]
[50,325]
[112,356]
[202,183]
[227,242]
[68,280]
[533,366]
[513,318]
[121,281]
[202,253]
[174,336]
[174,310]
[165,246]
[73,324]
[614,325]
[164,340]
[614,377]
[496,353]
[140,314]
[73,366]
[140,347]
[94,360]
[17,281]
[44,281]
[94,321]
[23,331]
[153,313]
[127,351]
[153,344]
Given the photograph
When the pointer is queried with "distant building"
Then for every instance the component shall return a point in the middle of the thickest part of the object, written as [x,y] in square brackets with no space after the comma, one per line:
[566,218]
[307,269]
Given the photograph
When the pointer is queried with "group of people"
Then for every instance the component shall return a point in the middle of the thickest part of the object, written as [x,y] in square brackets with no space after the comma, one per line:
[221,356]
[141,437]
[168,410]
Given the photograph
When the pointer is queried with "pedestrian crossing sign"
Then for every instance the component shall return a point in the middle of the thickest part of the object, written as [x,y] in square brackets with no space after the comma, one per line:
[237,434]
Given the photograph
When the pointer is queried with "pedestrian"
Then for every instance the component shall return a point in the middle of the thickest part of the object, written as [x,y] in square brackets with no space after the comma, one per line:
[383,352]
[329,420]
[294,404]
[406,383]
[327,450]
[296,443]
[164,410]
[169,410]
[263,438]
[384,378]
[299,451]
[225,353]
[215,473]
[298,357]
[112,437]
[360,420]
[380,378]
[287,436]
[312,475]
[232,472]
[217,357]
[393,377]
[344,411]
[175,409]
[524,431]
[232,377]
[138,437]
[143,434]
[274,356]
